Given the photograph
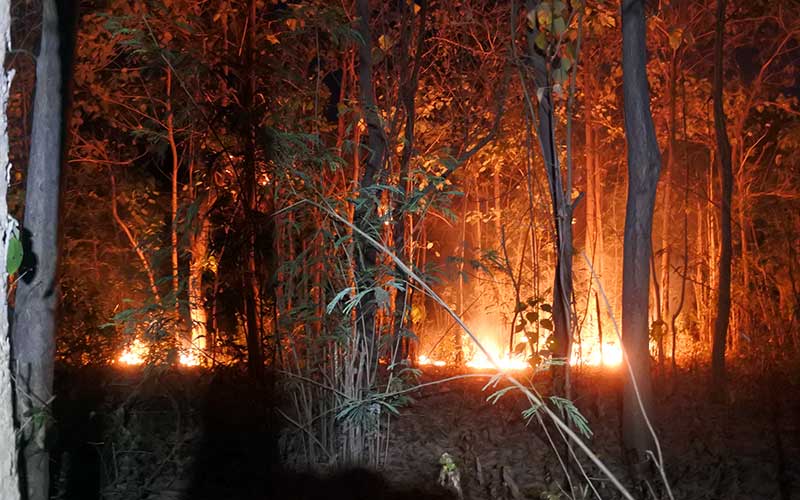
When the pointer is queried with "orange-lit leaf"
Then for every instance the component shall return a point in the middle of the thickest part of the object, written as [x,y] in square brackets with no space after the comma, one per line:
[675,38]
[544,14]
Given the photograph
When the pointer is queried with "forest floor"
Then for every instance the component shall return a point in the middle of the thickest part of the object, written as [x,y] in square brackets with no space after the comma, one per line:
[187,435]
[746,449]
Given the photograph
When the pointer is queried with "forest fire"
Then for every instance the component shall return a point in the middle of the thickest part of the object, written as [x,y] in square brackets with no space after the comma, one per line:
[133,355]
[589,352]
[136,353]
[283,223]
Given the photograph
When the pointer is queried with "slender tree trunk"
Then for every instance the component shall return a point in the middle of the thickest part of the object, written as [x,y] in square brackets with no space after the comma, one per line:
[36,299]
[365,215]
[132,240]
[9,477]
[685,276]
[562,214]
[718,383]
[173,228]
[408,92]
[198,253]
[255,355]
[644,163]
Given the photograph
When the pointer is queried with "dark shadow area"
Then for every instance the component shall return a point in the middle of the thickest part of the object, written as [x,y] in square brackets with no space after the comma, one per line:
[238,456]
[76,467]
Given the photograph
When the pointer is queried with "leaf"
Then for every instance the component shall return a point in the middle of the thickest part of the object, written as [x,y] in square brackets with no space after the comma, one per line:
[385,43]
[546,323]
[14,255]
[337,299]
[532,316]
[544,14]
[531,16]
[675,38]
[541,40]
[559,26]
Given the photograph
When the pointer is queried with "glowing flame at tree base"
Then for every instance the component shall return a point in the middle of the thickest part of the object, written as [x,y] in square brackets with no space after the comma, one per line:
[137,352]
[588,353]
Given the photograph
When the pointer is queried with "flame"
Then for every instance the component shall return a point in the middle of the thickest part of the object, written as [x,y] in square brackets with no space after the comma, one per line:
[504,361]
[425,360]
[589,353]
[586,354]
[189,357]
[134,354]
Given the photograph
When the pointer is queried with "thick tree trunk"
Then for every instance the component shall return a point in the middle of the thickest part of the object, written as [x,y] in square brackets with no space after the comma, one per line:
[644,163]
[36,298]
[718,385]
[9,478]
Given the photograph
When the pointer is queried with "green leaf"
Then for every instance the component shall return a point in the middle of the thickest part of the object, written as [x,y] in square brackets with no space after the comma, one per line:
[337,299]
[14,255]
[559,26]
[541,40]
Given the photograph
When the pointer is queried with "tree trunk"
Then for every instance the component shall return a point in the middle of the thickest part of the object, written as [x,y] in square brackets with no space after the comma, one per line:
[132,240]
[562,214]
[644,163]
[408,92]
[197,265]
[365,214]
[173,228]
[718,382]
[9,478]
[255,355]
[36,299]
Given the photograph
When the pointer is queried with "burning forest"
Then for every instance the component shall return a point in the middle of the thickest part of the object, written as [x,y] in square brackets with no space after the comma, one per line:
[462,249]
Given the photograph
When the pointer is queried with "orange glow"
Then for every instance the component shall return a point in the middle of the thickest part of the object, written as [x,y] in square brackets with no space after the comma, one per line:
[493,338]
[134,354]
[190,355]
[589,354]
[504,361]
[426,361]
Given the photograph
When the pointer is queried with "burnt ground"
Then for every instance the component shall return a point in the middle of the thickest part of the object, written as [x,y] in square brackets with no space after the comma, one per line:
[746,449]
[177,434]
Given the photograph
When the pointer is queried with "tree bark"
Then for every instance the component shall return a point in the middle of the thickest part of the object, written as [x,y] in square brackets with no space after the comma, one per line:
[644,163]
[255,355]
[36,299]
[408,92]
[365,215]
[562,214]
[9,477]
[718,376]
